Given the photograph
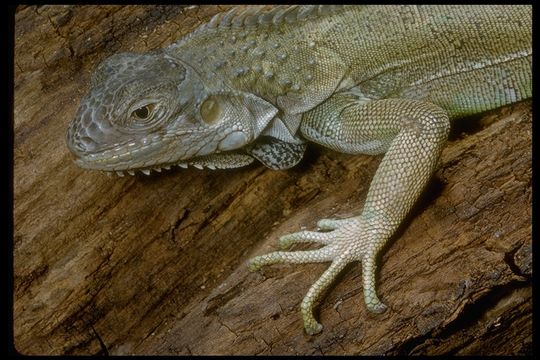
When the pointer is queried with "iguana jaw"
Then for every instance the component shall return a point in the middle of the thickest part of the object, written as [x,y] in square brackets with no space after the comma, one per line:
[160,152]
[215,161]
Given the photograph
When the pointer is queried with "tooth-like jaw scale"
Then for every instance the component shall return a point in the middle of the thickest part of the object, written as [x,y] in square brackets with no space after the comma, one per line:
[213,162]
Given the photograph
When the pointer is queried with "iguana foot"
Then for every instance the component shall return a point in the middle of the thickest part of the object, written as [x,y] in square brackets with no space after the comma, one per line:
[353,239]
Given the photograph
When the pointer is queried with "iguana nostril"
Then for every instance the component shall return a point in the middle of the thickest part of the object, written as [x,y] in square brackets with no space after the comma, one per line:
[79,145]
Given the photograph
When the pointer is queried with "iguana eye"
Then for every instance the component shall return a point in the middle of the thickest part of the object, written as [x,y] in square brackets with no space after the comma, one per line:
[143,112]
[210,110]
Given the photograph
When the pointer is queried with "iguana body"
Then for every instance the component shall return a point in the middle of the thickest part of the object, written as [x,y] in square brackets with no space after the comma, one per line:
[357,79]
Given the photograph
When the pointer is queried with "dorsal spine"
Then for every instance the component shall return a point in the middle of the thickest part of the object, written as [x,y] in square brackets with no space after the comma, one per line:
[260,15]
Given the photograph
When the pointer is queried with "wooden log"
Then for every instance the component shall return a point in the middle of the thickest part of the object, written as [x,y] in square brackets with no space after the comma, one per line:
[156,265]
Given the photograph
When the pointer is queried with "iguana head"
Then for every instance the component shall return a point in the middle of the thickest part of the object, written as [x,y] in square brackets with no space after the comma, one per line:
[148,111]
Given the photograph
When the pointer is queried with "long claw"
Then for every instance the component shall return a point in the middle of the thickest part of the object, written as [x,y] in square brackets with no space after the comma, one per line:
[310,324]
[371,299]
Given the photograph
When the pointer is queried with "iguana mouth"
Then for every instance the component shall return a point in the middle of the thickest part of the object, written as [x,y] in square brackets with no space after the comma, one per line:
[229,160]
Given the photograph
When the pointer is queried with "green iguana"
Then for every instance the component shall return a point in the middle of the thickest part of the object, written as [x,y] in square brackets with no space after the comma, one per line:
[258,82]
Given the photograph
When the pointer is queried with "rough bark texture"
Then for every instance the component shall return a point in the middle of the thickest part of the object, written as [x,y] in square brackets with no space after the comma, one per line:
[156,265]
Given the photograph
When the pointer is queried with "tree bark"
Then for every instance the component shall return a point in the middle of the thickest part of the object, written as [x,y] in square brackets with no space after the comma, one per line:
[156,265]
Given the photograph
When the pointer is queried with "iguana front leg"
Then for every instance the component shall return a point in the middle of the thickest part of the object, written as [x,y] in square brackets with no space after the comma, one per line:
[412,133]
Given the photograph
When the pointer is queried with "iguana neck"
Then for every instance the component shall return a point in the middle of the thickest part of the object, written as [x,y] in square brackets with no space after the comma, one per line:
[263,52]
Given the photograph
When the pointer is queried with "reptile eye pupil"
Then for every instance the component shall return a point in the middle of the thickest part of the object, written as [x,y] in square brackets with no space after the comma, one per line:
[142,113]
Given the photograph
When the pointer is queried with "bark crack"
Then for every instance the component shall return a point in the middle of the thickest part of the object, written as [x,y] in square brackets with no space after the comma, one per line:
[104,350]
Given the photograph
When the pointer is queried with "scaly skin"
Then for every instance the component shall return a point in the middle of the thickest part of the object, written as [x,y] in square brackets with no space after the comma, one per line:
[257,84]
